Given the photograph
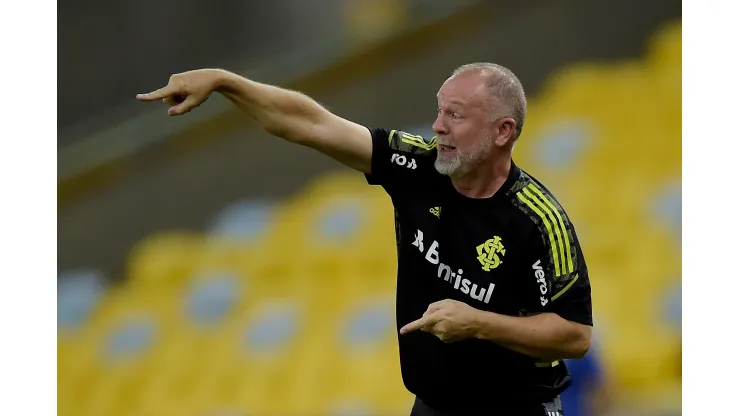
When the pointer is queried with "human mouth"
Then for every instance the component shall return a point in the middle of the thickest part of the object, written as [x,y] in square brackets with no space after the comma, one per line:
[446,148]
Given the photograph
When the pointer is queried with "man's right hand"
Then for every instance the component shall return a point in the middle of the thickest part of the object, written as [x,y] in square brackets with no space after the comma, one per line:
[282,113]
[186,91]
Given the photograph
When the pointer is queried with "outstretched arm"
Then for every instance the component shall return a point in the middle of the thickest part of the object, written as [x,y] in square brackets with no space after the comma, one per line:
[284,113]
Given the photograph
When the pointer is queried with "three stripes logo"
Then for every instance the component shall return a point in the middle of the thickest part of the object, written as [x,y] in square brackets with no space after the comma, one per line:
[554,408]
[557,233]
[418,141]
[413,140]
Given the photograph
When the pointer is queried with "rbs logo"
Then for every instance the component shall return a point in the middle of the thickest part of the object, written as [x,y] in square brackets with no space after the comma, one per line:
[402,160]
[446,273]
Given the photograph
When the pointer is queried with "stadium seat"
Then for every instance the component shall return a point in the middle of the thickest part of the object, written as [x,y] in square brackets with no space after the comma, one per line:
[163,260]
[210,298]
[352,228]
[243,221]
[78,294]
[665,48]
[337,183]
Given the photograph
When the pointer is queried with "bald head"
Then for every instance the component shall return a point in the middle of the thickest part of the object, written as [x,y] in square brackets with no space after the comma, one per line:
[504,90]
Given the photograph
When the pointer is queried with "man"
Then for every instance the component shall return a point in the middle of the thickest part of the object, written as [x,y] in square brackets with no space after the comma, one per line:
[493,291]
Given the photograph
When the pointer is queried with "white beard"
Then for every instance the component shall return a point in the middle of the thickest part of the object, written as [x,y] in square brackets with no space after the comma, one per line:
[462,163]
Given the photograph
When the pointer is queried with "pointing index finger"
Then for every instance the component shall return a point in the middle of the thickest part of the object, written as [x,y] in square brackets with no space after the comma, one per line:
[419,324]
[157,95]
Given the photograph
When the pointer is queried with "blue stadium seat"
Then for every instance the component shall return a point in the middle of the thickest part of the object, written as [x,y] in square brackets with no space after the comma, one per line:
[560,144]
[211,297]
[274,329]
[672,307]
[130,338]
[78,293]
[667,208]
[369,323]
[243,220]
[340,222]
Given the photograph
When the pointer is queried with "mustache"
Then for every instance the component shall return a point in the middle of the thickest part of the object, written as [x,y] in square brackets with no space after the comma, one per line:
[444,142]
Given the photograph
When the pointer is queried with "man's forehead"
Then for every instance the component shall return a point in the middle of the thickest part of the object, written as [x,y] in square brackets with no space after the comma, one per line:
[457,90]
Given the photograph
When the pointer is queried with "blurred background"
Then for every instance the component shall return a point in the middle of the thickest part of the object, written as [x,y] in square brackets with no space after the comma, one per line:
[204,266]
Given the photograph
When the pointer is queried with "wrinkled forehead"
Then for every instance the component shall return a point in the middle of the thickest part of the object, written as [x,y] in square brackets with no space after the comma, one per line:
[467,88]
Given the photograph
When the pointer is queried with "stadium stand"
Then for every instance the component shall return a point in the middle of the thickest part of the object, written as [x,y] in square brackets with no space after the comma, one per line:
[287,307]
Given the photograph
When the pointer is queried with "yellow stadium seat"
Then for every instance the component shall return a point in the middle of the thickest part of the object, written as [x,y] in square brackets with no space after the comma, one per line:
[66,348]
[665,58]
[163,259]
[573,89]
[218,254]
[664,48]
[126,302]
[640,357]
[336,183]
[312,228]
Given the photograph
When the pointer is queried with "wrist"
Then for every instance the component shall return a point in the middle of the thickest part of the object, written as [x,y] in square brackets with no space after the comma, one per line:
[222,80]
[481,324]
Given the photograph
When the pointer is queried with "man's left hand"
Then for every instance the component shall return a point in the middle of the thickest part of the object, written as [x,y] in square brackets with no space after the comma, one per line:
[448,320]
